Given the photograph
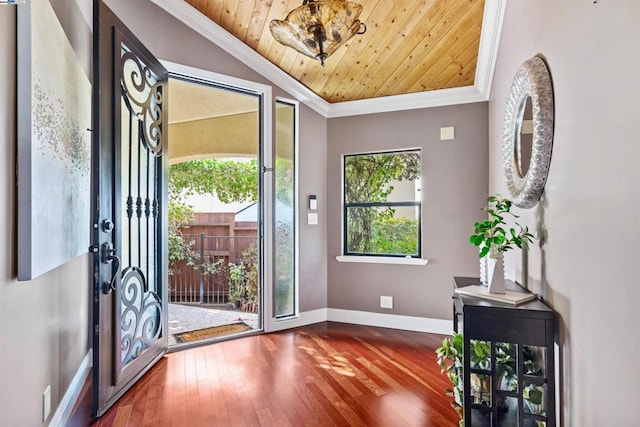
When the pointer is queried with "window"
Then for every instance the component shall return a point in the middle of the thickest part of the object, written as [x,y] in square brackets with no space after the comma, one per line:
[382,204]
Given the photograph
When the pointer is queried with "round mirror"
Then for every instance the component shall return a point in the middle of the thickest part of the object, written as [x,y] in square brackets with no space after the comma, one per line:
[528,133]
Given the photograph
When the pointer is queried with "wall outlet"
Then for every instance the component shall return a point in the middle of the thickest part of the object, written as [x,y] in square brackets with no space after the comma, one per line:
[386,302]
[46,403]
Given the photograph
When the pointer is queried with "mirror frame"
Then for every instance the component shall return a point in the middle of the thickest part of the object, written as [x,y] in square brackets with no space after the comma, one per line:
[532,80]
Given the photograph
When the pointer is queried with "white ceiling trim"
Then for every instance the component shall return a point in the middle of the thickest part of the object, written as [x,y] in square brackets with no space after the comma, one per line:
[487,56]
[410,101]
[492,20]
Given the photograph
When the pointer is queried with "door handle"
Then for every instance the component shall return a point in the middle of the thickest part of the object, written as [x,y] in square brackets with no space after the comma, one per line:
[108,256]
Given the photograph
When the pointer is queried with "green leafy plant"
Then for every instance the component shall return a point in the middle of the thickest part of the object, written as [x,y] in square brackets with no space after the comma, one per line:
[491,235]
[450,361]
[237,275]
[180,248]
[250,261]
[243,277]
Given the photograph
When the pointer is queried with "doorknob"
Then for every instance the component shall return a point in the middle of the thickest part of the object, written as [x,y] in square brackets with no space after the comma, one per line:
[109,255]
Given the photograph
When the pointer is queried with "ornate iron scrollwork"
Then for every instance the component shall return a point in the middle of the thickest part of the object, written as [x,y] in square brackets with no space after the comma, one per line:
[141,319]
[144,97]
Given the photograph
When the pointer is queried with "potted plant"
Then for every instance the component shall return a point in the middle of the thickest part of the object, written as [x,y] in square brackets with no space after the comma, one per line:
[450,362]
[493,239]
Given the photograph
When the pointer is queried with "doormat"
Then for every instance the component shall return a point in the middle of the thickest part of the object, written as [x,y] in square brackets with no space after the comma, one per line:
[213,332]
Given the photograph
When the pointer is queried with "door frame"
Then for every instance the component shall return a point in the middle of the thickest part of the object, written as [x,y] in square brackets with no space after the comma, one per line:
[265,155]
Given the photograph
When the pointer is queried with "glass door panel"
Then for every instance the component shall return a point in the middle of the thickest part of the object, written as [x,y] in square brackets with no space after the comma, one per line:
[215,211]
[285,210]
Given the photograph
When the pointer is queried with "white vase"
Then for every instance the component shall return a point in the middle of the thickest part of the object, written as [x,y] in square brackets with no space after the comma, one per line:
[486,269]
[496,284]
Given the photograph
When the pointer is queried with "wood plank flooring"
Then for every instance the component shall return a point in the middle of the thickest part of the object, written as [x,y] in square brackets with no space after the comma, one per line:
[328,374]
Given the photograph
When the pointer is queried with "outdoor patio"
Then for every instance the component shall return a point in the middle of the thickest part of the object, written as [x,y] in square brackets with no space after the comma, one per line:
[184,318]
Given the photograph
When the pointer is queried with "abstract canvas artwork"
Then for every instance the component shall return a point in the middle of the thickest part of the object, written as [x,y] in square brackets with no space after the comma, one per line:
[54,144]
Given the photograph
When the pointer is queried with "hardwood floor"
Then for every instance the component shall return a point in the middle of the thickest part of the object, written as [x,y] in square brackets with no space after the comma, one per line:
[328,374]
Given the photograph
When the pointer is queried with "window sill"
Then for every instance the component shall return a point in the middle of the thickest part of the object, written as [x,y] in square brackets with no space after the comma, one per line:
[381,260]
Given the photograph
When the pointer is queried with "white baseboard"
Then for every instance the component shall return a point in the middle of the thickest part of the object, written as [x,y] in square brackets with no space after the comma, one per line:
[393,321]
[305,318]
[63,413]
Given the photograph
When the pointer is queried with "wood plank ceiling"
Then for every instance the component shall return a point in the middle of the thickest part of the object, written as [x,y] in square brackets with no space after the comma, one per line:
[410,45]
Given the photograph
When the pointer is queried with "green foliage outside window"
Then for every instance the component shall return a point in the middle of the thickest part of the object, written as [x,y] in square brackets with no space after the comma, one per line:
[395,236]
[373,223]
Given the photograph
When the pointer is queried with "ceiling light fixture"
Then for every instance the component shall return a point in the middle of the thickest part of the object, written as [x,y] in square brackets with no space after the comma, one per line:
[11,1]
[318,28]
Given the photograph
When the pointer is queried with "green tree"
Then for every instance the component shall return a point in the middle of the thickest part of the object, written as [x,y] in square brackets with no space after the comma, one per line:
[368,179]
[230,180]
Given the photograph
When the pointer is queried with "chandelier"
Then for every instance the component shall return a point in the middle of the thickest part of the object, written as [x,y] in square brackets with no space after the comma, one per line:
[318,28]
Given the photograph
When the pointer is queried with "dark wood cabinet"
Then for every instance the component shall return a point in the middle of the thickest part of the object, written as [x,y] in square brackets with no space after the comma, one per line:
[508,366]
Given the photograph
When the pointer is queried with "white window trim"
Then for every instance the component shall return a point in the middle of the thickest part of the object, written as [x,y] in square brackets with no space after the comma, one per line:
[382,260]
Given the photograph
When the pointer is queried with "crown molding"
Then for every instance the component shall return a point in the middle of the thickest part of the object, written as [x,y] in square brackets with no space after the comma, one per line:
[410,101]
[487,56]
[492,21]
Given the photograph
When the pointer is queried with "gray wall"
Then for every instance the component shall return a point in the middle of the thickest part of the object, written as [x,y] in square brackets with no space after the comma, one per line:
[587,262]
[453,188]
[177,43]
[43,323]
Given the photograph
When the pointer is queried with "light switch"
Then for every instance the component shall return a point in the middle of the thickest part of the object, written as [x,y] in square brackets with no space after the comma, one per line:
[312,218]
[313,202]
[447,133]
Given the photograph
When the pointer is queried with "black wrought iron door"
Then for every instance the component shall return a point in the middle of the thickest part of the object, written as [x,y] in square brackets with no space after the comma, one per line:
[129,217]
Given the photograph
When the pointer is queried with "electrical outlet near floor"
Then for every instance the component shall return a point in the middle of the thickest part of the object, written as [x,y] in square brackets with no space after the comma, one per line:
[386,302]
[46,403]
